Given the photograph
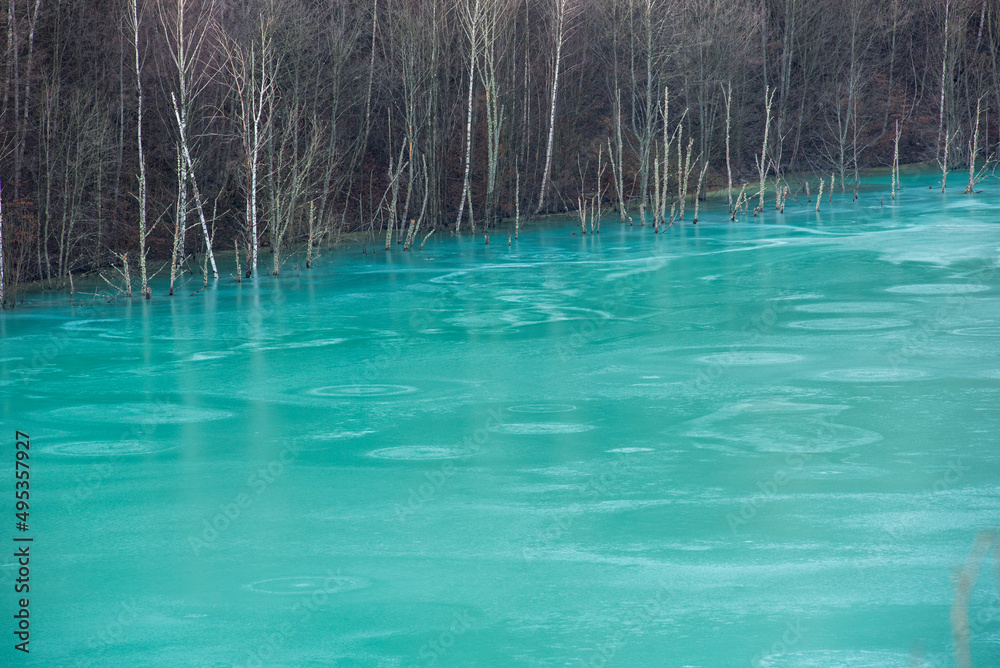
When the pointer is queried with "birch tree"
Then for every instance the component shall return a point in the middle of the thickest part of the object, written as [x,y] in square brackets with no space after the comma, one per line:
[644,99]
[133,23]
[408,43]
[617,25]
[763,162]
[728,99]
[495,43]
[945,61]
[185,48]
[471,17]
[248,67]
[561,10]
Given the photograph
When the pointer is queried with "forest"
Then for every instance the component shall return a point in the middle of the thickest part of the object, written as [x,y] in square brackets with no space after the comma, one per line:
[146,137]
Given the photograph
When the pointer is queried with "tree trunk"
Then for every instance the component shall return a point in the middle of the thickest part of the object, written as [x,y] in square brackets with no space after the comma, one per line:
[142,157]
[473,49]
[944,72]
[180,221]
[189,167]
[26,103]
[546,173]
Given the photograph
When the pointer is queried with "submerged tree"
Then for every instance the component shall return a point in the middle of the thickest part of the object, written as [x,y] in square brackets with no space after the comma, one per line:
[472,18]
[133,20]
[560,15]
[272,123]
[249,59]
[185,45]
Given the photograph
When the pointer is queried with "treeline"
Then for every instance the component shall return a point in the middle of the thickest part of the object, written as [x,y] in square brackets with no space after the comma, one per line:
[145,133]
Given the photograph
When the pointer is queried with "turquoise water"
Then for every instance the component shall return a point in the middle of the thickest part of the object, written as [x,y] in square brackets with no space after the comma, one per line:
[768,443]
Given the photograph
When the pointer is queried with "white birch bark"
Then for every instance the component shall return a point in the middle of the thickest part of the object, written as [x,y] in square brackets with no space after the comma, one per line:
[134,6]
[944,72]
[189,167]
[473,19]
[560,7]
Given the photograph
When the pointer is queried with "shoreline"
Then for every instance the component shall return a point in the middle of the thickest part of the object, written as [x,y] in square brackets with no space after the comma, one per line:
[92,278]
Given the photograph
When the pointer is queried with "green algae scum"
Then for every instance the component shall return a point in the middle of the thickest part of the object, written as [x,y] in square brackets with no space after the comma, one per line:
[767,443]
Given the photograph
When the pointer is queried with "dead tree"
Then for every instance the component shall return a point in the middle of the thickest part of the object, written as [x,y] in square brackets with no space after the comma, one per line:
[22,118]
[974,176]
[615,155]
[697,194]
[133,20]
[762,160]
[248,68]
[945,61]
[646,62]
[728,98]
[180,222]
[495,42]
[895,161]
[683,176]
[472,17]
[185,47]
[560,15]
[616,149]
[293,150]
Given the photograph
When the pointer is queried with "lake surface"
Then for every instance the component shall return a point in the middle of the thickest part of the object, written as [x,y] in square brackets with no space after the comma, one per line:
[766,443]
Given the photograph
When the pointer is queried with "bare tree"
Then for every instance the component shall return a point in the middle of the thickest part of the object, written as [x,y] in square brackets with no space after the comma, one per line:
[185,46]
[133,22]
[409,42]
[72,146]
[341,157]
[728,98]
[618,27]
[299,134]
[292,154]
[561,14]
[845,117]
[945,62]
[714,39]
[472,17]
[763,161]
[495,44]
[647,55]
[180,221]
[992,26]
[897,16]
[467,99]
[976,176]
[249,67]
[21,125]
[82,152]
